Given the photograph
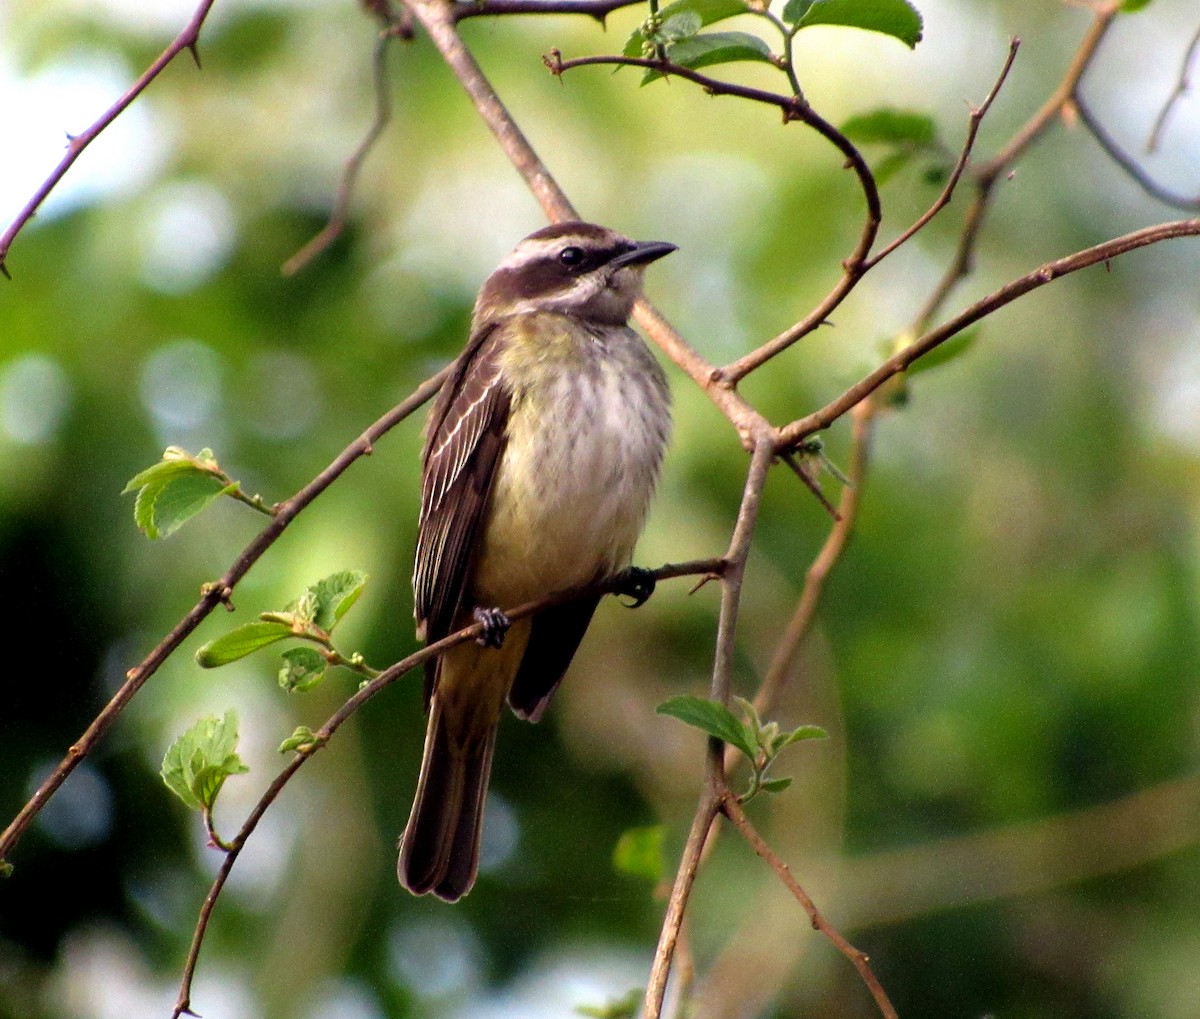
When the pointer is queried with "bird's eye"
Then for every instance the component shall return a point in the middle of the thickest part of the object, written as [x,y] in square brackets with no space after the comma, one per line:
[571,257]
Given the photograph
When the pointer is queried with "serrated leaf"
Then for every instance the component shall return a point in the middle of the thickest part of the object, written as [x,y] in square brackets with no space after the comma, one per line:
[888,125]
[335,595]
[950,350]
[181,499]
[639,852]
[196,765]
[301,739]
[239,642]
[709,11]
[775,785]
[713,718]
[302,669]
[896,18]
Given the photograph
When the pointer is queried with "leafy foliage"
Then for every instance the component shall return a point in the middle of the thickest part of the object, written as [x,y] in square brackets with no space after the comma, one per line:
[896,18]
[197,764]
[639,852]
[759,742]
[175,489]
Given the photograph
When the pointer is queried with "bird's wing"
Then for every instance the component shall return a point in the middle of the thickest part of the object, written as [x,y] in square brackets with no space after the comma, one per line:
[465,441]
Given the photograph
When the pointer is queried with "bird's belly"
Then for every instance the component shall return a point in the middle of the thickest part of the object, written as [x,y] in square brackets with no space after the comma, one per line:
[572,489]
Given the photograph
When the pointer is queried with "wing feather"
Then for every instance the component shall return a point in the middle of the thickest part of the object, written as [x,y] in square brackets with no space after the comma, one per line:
[464,443]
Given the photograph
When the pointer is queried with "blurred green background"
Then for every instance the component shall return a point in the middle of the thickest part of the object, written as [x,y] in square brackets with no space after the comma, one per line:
[1006,815]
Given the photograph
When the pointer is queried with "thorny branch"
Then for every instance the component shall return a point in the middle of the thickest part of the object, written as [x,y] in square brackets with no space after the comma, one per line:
[186,40]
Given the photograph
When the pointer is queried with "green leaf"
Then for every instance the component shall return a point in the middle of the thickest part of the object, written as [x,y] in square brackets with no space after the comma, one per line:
[239,642]
[801,732]
[302,740]
[174,490]
[715,719]
[891,127]
[303,668]
[335,595]
[794,10]
[718,48]
[639,852]
[775,785]
[950,350]
[1130,6]
[6,869]
[709,11]
[896,18]
[196,765]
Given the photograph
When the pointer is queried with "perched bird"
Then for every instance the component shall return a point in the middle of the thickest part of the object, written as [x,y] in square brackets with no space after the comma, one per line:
[541,456]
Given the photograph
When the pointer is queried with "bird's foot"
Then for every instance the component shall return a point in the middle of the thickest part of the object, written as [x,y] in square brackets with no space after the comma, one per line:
[495,626]
[636,583]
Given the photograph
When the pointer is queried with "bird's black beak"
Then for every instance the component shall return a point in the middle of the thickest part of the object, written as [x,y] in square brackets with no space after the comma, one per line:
[643,253]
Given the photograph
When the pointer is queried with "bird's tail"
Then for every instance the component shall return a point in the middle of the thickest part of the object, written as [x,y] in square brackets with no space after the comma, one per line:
[439,850]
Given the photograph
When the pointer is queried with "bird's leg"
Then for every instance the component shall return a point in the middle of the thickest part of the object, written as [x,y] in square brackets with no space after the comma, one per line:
[495,626]
[637,583]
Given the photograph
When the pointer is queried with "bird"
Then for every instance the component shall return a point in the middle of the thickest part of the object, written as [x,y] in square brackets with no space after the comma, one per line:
[540,460]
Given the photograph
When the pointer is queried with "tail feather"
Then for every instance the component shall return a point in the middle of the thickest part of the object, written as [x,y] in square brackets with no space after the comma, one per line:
[439,850]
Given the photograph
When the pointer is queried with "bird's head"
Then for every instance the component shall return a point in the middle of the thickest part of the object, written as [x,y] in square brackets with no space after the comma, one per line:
[571,268]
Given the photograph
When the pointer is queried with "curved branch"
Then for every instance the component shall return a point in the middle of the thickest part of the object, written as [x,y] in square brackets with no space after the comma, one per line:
[186,40]
[598,9]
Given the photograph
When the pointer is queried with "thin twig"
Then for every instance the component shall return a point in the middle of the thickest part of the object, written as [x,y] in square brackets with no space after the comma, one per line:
[233,847]
[185,40]
[1183,85]
[598,9]
[792,434]
[732,809]
[338,218]
[987,173]
[212,595]
[722,679]
[973,121]
[1130,165]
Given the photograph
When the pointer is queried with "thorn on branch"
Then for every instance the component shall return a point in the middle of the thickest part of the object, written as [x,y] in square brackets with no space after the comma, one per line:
[194,49]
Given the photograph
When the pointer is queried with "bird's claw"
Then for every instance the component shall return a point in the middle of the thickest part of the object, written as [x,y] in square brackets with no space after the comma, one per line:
[495,626]
[636,583]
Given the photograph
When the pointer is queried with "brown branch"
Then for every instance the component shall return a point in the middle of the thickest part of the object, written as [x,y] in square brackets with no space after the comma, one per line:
[792,434]
[714,773]
[322,736]
[974,119]
[732,809]
[1130,165]
[598,9]
[186,40]
[1183,85]
[339,217]
[987,173]
[212,595]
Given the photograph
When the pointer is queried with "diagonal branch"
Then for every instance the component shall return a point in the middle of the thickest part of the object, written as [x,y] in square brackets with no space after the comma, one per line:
[213,594]
[792,434]
[186,40]
[732,809]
